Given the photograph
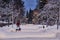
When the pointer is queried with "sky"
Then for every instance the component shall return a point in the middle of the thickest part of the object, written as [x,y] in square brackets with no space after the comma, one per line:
[30,4]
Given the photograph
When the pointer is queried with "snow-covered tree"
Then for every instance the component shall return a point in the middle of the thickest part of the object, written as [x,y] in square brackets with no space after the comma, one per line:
[19,6]
[51,11]
[14,8]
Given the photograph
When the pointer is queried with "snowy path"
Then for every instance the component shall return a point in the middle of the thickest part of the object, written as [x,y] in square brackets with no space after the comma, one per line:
[32,39]
[27,35]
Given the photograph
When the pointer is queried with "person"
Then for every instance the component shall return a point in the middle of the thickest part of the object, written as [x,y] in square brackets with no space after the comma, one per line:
[18,25]
[43,27]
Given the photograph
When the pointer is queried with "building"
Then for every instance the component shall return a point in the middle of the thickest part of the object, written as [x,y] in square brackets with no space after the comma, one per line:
[35,16]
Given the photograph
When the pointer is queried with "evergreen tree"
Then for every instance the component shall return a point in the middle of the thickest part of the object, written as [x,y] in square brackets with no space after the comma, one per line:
[30,16]
[27,17]
[27,14]
[41,3]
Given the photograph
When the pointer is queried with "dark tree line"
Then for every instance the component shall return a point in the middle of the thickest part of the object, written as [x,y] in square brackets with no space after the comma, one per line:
[29,15]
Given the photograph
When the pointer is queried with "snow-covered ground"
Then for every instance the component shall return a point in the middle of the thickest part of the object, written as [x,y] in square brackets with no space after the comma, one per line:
[29,30]
[3,22]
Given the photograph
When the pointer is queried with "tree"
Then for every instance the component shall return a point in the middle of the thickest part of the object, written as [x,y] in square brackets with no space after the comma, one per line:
[27,17]
[19,6]
[14,7]
[7,1]
[30,16]
[41,3]
[27,14]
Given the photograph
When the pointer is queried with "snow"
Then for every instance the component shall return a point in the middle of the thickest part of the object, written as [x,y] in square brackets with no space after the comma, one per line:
[3,22]
[24,28]
[28,30]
